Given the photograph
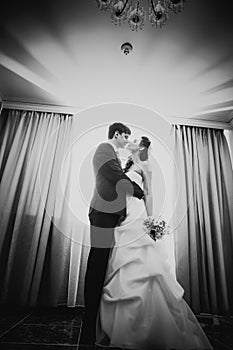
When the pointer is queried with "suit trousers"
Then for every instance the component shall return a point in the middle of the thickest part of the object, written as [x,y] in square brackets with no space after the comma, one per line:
[102,240]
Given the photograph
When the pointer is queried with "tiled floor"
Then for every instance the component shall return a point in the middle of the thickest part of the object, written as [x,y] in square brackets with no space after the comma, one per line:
[58,328]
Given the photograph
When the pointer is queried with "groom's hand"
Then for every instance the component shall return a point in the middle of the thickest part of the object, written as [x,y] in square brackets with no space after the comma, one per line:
[121,219]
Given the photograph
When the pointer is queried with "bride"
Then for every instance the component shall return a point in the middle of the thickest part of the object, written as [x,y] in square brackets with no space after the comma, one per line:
[142,305]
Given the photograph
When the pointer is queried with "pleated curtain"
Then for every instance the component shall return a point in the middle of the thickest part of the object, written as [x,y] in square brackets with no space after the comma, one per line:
[44,241]
[41,248]
[204,219]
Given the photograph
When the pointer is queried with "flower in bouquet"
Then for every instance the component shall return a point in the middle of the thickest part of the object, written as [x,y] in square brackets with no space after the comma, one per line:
[156,228]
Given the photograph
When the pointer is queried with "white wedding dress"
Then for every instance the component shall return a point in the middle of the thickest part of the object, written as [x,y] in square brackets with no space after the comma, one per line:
[142,305]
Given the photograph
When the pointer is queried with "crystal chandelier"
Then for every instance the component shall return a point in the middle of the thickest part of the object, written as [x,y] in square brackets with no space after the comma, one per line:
[135,14]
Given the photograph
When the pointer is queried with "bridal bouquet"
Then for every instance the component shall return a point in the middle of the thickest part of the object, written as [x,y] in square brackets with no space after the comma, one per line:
[156,228]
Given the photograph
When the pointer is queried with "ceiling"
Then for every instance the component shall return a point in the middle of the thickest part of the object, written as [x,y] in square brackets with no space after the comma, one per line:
[67,54]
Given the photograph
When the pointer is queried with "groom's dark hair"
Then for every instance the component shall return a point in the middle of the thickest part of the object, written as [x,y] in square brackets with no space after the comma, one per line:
[118,127]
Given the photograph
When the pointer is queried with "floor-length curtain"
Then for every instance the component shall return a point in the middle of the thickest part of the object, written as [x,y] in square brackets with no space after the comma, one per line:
[204,219]
[36,223]
[229,137]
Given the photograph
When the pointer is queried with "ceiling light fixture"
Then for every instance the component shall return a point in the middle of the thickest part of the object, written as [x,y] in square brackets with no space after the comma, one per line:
[134,13]
[126,48]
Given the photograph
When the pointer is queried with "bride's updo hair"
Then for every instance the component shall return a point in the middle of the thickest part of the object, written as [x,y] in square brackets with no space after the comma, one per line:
[143,153]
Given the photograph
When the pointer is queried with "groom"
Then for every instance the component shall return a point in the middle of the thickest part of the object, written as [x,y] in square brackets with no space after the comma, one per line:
[107,210]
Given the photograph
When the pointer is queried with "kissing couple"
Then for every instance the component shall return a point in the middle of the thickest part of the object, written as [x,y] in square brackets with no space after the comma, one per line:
[132,299]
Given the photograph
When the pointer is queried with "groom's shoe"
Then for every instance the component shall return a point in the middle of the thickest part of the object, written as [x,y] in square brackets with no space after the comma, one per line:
[86,337]
[86,340]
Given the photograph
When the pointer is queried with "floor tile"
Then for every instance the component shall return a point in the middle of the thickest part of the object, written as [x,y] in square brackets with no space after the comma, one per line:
[4,327]
[56,334]
[217,345]
[224,338]
[227,321]
[10,346]
[58,328]
[13,314]
[63,316]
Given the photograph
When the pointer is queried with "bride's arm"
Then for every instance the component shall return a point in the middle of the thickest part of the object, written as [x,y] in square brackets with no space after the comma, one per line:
[147,180]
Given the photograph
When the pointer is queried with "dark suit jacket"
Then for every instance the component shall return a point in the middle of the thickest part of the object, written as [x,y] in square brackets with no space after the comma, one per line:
[111,184]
